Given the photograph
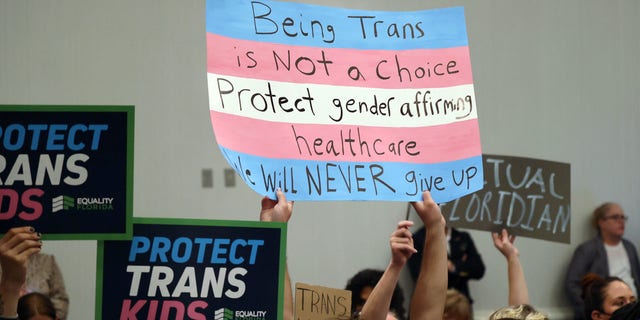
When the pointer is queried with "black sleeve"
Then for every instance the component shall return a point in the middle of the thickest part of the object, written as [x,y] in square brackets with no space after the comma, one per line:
[471,265]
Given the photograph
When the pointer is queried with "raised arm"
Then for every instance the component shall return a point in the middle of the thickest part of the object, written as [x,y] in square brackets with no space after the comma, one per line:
[518,292]
[431,287]
[280,210]
[16,246]
[379,301]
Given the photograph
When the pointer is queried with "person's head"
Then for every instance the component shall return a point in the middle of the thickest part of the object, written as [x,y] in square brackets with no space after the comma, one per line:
[36,306]
[456,306]
[361,285]
[609,219]
[518,312]
[604,295]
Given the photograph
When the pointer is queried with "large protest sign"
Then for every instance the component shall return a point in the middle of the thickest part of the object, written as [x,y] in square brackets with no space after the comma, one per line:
[67,170]
[321,303]
[529,197]
[337,104]
[193,269]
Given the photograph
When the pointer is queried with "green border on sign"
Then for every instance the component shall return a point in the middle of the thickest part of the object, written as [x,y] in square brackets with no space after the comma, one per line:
[201,222]
[130,111]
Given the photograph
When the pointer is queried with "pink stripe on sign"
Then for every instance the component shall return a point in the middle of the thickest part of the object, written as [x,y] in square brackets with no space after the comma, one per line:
[420,68]
[280,140]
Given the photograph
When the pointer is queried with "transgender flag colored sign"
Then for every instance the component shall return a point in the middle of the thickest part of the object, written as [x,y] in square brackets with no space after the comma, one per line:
[338,104]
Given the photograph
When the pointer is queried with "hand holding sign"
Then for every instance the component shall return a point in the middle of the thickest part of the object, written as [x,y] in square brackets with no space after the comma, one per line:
[16,247]
[279,210]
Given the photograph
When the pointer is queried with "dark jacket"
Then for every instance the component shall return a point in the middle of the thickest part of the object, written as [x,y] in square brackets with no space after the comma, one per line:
[591,256]
[464,255]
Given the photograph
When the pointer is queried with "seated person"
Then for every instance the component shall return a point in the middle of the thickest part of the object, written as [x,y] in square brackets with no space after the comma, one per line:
[602,296]
[607,254]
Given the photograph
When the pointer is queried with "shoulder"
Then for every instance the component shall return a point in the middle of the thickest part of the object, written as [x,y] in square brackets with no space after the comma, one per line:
[591,243]
[629,245]
[41,260]
[589,247]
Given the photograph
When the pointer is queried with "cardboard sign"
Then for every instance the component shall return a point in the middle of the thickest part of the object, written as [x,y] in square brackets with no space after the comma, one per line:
[529,197]
[193,269]
[67,170]
[339,104]
[321,303]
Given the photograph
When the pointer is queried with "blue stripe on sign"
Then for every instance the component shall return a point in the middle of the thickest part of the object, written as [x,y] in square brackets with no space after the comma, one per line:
[388,181]
[321,26]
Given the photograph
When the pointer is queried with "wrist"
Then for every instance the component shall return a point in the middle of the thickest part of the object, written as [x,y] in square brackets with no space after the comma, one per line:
[395,266]
[10,286]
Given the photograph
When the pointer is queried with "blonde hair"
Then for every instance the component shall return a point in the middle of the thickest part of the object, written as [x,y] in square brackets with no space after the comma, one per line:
[600,212]
[457,306]
[517,312]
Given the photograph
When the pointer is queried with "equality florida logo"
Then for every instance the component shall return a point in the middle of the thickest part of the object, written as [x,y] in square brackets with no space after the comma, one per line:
[228,314]
[64,202]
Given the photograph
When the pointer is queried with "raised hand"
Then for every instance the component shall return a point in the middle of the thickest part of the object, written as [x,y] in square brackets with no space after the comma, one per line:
[276,210]
[429,211]
[16,247]
[504,243]
[401,243]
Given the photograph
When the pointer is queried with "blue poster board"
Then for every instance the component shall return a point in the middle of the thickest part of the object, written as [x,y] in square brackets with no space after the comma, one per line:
[67,170]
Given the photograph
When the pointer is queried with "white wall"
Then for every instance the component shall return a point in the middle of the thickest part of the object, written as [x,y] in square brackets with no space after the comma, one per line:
[555,80]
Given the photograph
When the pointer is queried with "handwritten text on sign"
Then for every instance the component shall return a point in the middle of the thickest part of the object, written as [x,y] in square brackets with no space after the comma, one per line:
[529,197]
[319,303]
[311,100]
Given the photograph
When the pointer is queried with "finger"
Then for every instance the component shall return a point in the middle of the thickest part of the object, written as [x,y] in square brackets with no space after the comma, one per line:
[17,236]
[397,246]
[25,229]
[15,231]
[282,199]
[400,240]
[29,252]
[406,249]
[400,230]
[405,224]
[28,249]
[25,242]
